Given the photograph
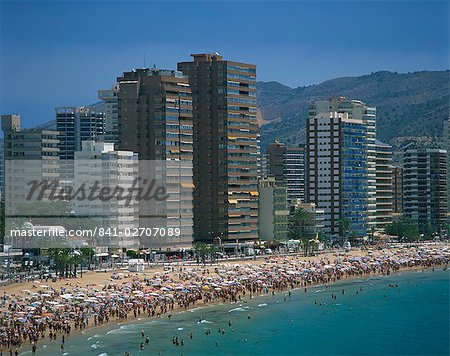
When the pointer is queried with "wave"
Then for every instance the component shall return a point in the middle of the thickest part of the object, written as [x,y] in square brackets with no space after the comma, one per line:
[240,309]
[205,322]
[195,309]
[128,329]
[262,305]
[179,329]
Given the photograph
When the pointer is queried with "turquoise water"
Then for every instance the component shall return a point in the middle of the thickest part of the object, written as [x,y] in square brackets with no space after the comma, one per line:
[411,319]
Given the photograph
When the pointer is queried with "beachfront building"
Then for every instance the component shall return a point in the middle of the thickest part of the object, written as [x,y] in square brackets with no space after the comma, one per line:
[357,109]
[337,173]
[287,166]
[155,121]
[275,160]
[425,186]
[315,224]
[447,148]
[99,162]
[29,154]
[384,191]
[75,125]
[273,211]
[2,171]
[225,148]
[109,98]
[397,190]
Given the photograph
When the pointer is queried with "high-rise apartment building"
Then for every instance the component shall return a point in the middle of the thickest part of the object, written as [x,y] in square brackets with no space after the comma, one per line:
[2,171]
[425,186]
[276,161]
[337,171]
[155,120]
[273,211]
[356,109]
[447,148]
[295,173]
[98,162]
[397,188]
[29,154]
[287,166]
[110,103]
[384,191]
[225,148]
[75,125]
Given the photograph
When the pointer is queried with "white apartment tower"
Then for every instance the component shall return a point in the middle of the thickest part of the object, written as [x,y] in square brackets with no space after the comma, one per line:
[99,162]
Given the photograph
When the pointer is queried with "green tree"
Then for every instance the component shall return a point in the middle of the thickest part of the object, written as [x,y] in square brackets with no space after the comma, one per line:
[404,229]
[344,227]
[302,226]
[2,223]
[201,251]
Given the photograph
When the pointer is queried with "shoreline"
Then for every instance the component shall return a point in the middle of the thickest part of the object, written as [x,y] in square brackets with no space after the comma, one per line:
[176,311]
[248,290]
[220,310]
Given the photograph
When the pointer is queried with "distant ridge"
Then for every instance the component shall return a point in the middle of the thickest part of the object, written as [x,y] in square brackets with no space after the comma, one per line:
[410,104]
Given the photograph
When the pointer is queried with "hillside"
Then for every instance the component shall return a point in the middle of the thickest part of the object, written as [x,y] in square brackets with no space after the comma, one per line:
[411,104]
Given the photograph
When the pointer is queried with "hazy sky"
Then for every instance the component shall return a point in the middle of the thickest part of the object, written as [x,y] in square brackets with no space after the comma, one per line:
[59,53]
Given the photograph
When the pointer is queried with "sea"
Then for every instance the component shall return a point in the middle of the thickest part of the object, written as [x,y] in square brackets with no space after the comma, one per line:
[406,313]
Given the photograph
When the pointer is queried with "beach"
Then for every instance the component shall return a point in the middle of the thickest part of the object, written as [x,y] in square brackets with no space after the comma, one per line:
[34,312]
[410,319]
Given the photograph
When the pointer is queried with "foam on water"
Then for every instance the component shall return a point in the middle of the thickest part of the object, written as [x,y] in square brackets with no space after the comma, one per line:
[204,321]
[383,313]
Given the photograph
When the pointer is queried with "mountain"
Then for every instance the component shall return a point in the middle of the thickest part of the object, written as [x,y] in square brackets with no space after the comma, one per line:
[408,105]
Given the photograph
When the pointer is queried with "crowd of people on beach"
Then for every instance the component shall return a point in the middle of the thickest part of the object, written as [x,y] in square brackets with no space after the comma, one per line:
[50,312]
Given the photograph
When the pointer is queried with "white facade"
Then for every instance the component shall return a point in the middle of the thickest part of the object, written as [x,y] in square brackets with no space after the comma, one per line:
[99,162]
[109,98]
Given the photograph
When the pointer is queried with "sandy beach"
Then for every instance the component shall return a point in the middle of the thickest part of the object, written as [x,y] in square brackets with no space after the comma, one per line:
[40,309]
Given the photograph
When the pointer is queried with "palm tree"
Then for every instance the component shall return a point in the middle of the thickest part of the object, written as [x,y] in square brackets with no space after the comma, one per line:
[212,251]
[302,227]
[77,258]
[201,251]
[87,253]
[344,225]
